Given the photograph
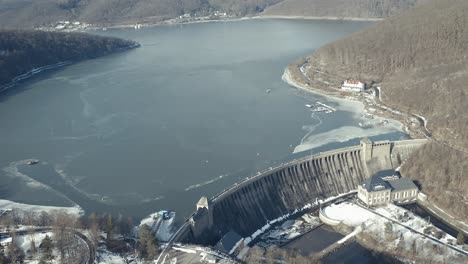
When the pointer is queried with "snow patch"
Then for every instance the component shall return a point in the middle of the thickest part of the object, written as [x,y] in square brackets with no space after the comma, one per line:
[6,204]
[279,219]
[186,250]
[348,213]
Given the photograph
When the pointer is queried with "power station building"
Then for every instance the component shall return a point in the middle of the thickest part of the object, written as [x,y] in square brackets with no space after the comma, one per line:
[385,187]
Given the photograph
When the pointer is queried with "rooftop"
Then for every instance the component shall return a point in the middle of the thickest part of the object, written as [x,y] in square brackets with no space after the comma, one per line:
[402,184]
[353,81]
[366,140]
[388,179]
[375,183]
[203,202]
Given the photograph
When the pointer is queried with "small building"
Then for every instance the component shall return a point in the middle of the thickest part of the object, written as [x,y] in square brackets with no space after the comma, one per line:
[387,186]
[353,85]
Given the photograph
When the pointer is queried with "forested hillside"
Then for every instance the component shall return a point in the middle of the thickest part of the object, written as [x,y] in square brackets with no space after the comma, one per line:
[340,8]
[420,61]
[22,51]
[34,13]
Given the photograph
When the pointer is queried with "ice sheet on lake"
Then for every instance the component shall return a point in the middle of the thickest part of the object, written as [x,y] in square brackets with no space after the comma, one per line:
[206,182]
[341,134]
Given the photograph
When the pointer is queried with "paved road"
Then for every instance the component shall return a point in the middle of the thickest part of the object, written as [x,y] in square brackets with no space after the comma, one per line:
[415,231]
[92,250]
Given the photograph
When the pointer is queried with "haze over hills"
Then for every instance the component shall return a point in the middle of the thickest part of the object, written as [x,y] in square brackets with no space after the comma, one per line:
[33,13]
[37,13]
[420,61]
[22,51]
[340,8]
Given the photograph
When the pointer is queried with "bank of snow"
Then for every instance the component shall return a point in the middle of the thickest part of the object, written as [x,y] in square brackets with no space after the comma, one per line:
[20,208]
[162,227]
[397,237]
[349,214]
[105,257]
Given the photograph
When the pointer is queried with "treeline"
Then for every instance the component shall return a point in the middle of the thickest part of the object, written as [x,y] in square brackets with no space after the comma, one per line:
[30,13]
[419,60]
[341,8]
[443,172]
[71,235]
[22,51]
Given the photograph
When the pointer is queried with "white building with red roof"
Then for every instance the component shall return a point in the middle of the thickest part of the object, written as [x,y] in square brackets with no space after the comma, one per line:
[353,85]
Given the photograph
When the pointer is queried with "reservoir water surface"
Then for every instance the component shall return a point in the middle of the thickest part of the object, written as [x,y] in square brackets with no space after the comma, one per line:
[192,111]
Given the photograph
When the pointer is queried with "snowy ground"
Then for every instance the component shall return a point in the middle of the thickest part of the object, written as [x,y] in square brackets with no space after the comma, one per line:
[349,214]
[375,225]
[185,254]
[20,207]
[24,242]
[288,230]
[105,257]
[164,228]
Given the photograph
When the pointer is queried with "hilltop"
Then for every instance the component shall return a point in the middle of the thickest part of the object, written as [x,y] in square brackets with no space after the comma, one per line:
[46,13]
[36,13]
[419,60]
[340,8]
[22,51]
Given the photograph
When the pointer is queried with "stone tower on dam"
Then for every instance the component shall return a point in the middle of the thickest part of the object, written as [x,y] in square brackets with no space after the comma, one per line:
[248,205]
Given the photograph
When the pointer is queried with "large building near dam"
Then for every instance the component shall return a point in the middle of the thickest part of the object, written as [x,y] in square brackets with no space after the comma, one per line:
[385,187]
[255,202]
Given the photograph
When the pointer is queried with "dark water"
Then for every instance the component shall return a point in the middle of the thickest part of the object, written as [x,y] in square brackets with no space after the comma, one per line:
[355,253]
[315,241]
[324,236]
[185,115]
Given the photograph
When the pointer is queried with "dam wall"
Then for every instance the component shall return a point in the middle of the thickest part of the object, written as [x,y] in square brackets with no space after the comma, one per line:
[249,205]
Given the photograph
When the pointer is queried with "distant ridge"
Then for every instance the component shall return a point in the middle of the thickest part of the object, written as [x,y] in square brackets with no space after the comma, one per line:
[340,8]
[36,13]
[39,13]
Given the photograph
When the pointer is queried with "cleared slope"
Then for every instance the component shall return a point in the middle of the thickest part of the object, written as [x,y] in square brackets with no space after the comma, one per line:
[420,60]
[340,8]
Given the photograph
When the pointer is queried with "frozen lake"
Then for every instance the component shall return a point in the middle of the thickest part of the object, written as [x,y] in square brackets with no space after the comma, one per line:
[192,111]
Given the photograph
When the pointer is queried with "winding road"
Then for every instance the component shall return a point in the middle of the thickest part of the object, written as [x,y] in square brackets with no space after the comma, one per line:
[415,231]
[89,244]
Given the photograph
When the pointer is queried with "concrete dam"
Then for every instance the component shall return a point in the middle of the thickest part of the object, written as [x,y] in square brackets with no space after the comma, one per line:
[250,204]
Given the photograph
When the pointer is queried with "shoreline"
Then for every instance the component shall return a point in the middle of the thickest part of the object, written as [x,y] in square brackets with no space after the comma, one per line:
[36,71]
[289,78]
[356,107]
[7,205]
[329,18]
[168,22]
